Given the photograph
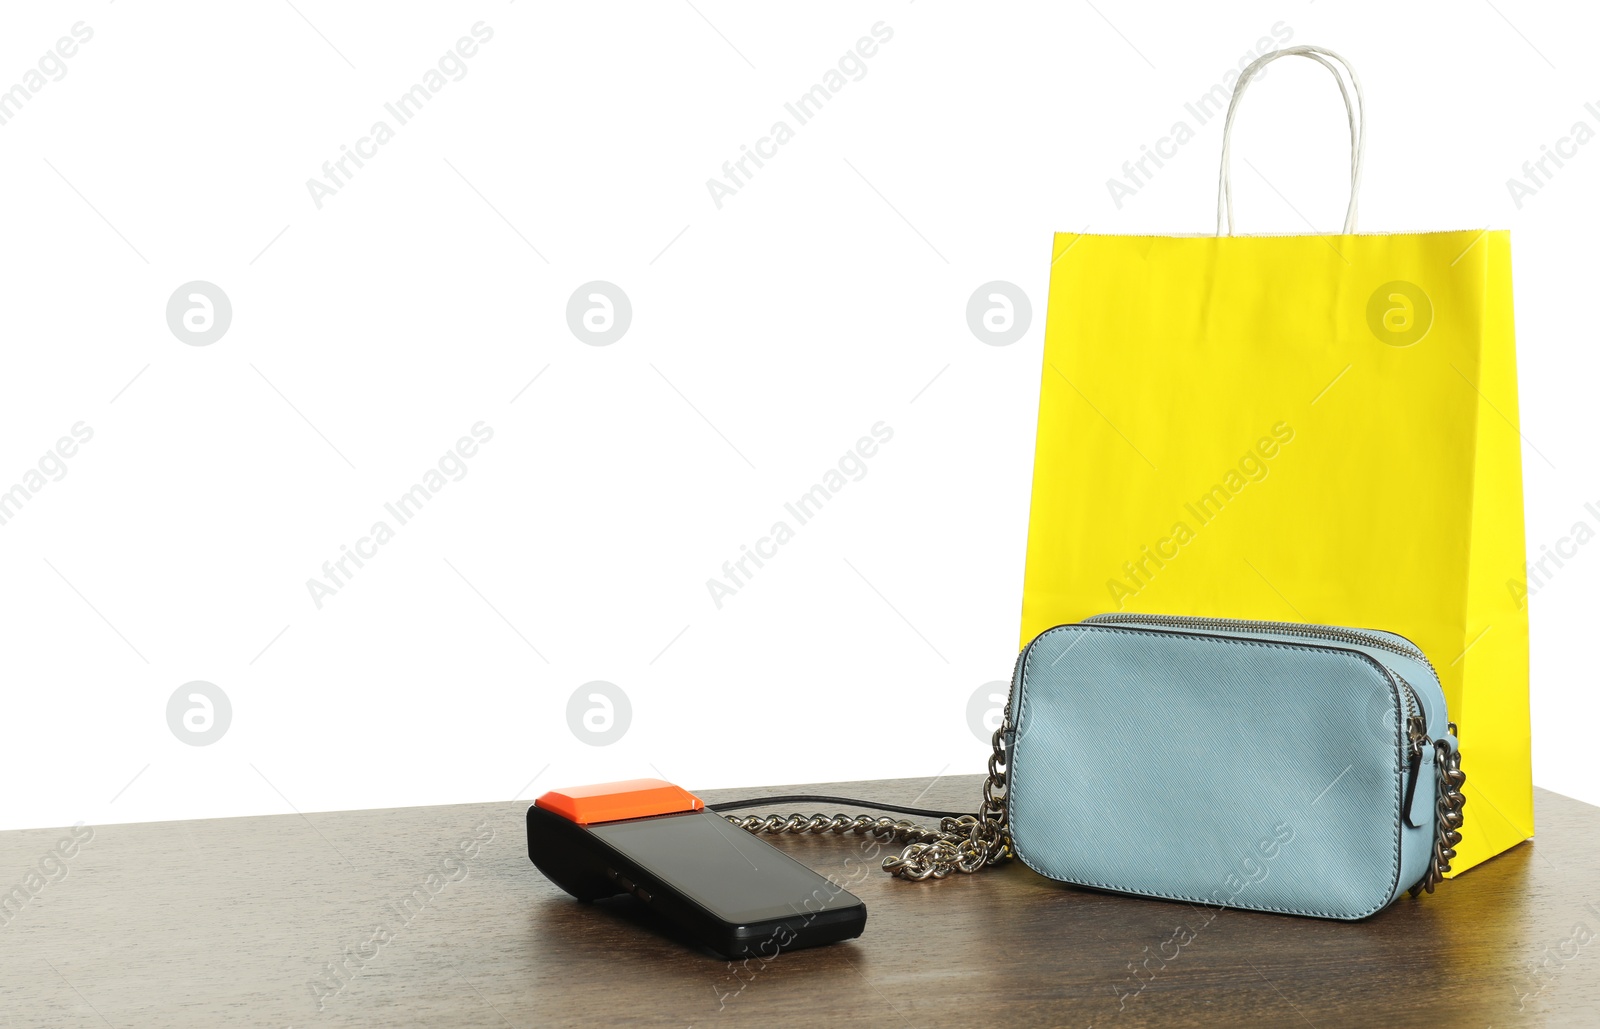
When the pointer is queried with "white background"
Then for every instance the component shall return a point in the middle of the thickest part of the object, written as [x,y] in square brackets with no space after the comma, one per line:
[825,296]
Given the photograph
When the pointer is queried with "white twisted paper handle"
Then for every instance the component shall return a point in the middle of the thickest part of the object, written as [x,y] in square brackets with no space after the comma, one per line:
[1356,115]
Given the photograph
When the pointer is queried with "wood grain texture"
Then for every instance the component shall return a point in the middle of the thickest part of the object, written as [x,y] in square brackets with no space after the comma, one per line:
[236,921]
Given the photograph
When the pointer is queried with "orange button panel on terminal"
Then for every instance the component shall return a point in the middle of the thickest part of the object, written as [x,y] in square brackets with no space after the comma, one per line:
[614,801]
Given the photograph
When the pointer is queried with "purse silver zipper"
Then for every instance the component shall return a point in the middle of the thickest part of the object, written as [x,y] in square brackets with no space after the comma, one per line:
[1326,632]
[1336,634]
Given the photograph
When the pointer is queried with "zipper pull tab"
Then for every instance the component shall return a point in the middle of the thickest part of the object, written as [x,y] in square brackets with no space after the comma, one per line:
[1417,731]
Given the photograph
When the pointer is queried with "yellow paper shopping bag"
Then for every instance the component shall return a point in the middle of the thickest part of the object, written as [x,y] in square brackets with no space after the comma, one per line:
[1297,428]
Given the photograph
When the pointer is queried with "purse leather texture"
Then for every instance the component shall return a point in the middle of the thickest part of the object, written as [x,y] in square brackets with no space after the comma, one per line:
[1239,764]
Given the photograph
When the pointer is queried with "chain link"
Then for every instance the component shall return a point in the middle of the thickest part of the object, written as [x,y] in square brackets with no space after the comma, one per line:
[965,844]
[864,825]
[1448,817]
[971,843]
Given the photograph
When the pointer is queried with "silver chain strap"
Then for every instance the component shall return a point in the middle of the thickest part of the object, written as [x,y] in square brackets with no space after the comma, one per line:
[1447,805]
[974,842]
[864,825]
[965,844]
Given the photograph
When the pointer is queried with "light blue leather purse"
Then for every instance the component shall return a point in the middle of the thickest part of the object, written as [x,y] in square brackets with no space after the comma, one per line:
[1271,766]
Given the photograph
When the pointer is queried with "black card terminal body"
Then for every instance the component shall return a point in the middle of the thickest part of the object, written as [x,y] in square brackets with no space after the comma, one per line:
[724,888]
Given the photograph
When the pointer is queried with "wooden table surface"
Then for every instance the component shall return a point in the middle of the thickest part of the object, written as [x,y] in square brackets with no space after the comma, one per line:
[437,919]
